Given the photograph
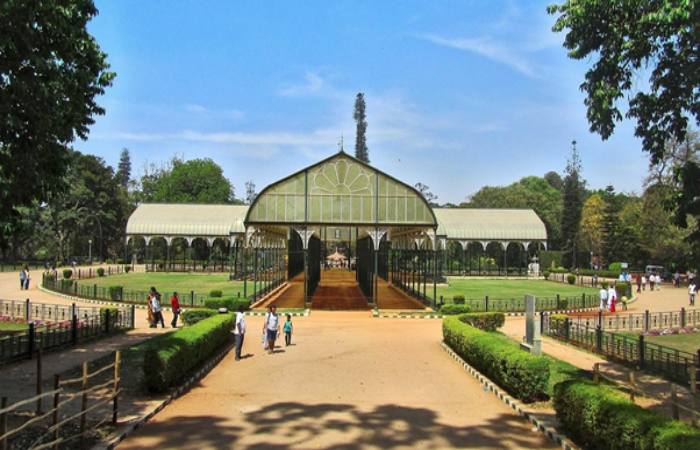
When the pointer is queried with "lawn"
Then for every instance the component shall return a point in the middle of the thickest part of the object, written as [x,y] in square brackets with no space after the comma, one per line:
[168,282]
[8,328]
[507,289]
[689,342]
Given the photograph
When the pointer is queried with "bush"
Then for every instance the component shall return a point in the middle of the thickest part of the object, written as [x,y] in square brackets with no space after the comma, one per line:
[458,299]
[230,303]
[597,416]
[67,274]
[571,279]
[216,293]
[563,303]
[66,285]
[192,316]
[452,309]
[127,269]
[115,293]
[487,321]
[113,316]
[100,271]
[498,357]
[621,289]
[172,357]
[604,284]
[545,274]
[615,267]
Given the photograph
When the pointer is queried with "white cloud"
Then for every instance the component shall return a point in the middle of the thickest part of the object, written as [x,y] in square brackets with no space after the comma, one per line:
[489,49]
[193,108]
[313,84]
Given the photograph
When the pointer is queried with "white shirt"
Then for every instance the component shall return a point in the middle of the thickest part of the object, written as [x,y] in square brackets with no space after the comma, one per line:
[612,293]
[603,294]
[692,289]
[240,322]
[155,304]
[272,321]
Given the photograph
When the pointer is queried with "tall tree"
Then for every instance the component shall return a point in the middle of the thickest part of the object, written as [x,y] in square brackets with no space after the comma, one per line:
[592,217]
[625,41]
[573,203]
[51,71]
[611,231]
[361,151]
[250,192]
[124,168]
[193,181]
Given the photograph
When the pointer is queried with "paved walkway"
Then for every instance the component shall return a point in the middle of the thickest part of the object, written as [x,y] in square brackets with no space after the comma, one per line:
[348,382]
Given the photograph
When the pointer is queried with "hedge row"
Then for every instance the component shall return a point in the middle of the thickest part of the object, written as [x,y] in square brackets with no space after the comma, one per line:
[230,303]
[192,316]
[498,357]
[600,417]
[487,321]
[170,358]
[452,309]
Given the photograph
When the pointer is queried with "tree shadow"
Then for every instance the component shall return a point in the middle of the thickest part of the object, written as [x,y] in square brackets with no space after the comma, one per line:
[337,426]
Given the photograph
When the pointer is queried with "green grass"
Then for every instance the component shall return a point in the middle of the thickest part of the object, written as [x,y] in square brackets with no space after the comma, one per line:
[8,328]
[506,289]
[167,282]
[689,342]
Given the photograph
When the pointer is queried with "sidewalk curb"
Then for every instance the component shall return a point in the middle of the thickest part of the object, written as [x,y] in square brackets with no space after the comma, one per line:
[113,440]
[437,315]
[542,426]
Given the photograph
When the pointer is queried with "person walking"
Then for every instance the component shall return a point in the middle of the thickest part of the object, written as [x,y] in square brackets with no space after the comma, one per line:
[175,305]
[239,331]
[638,279]
[156,308]
[692,290]
[22,278]
[288,327]
[612,297]
[677,279]
[271,327]
[26,278]
[149,310]
[603,294]
[644,282]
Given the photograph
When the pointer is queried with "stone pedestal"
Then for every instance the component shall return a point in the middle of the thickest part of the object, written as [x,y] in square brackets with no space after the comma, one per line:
[532,341]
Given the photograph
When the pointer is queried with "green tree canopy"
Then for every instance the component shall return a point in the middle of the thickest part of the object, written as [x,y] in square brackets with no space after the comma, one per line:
[51,71]
[361,150]
[193,181]
[530,192]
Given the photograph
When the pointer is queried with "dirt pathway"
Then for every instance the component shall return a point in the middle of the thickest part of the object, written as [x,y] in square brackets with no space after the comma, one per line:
[349,381]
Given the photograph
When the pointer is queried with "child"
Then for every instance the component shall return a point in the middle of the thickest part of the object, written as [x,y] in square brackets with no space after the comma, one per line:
[288,330]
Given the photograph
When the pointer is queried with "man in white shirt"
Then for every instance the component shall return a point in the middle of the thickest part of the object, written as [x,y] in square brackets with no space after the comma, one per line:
[239,331]
[603,293]
[271,327]
[692,289]
[156,309]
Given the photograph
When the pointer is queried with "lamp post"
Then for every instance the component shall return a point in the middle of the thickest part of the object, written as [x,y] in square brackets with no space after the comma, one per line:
[90,250]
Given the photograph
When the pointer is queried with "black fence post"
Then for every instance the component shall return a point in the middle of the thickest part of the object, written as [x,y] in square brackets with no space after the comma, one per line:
[598,339]
[133,316]
[567,329]
[646,320]
[583,300]
[486,302]
[682,318]
[27,309]
[32,338]
[192,298]
[107,318]
[94,291]
[641,350]
[74,329]
[600,319]
[558,303]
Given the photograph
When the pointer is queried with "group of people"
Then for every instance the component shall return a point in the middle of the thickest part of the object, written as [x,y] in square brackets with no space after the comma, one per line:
[270,330]
[651,281]
[608,298]
[155,309]
[24,278]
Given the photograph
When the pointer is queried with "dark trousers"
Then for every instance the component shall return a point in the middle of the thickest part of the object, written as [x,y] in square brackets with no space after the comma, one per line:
[287,338]
[21,284]
[175,316]
[158,318]
[239,344]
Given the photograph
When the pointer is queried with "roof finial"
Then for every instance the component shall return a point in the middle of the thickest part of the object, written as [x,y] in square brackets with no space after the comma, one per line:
[340,144]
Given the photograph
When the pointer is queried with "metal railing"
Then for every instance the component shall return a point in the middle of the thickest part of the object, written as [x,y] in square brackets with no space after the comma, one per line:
[670,363]
[640,321]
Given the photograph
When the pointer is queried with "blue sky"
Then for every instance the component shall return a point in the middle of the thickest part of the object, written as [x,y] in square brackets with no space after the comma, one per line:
[459,94]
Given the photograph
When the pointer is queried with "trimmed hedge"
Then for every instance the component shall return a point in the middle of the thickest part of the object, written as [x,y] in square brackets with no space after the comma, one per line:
[100,271]
[458,299]
[450,309]
[598,416]
[172,357]
[487,321]
[571,279]
[216,293]
[230,303]
[522,374]
[67,274]
[192,316]
[545,274]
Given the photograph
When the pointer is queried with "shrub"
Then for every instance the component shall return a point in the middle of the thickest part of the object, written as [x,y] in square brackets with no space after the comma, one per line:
[172,357]
[595,415]
[115,292]
[571,279]
[545,274]
[100,271]
[615,267]
[127,269]
[498,357]
[451,309]
[192,316]
[563,303]
[487,321]
[458,299]
[66,285]
[113,316]
[67,274]
[604,285]
[216,293]
[621,289]
[230,303]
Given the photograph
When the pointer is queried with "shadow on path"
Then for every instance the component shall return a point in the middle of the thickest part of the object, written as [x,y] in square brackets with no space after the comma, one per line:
[334,426]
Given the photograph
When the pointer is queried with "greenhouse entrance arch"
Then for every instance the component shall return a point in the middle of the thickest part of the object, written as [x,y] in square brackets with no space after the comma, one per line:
[339,220]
